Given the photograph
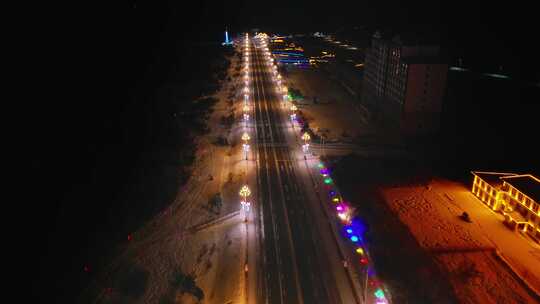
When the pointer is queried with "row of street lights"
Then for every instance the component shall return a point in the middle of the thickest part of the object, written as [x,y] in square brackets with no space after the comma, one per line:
[245,192]
[283,90]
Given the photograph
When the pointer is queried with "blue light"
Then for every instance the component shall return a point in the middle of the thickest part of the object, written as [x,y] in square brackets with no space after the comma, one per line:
[349,230]
[354,238]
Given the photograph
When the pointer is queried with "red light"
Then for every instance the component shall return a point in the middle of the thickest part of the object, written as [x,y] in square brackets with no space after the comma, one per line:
[86,268]
[129,237]
[363,261]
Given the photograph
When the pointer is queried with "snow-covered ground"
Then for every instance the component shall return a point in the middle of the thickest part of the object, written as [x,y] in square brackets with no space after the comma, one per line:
[465,252]
[177,241]
[334,111]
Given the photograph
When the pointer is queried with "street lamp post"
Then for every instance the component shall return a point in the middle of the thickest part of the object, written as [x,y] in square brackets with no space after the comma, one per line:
[293,115]
[245,138]
[244,193]
[306,138]
[246,150]
[246,115]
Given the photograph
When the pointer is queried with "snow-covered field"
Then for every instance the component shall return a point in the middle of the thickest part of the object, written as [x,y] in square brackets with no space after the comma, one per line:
[463,251]
[333,112]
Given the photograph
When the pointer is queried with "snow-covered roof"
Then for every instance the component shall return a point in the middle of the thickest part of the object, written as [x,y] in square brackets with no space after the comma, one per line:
[526,184]
[492,178]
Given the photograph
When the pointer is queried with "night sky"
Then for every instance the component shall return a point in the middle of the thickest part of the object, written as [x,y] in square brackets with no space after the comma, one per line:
[92,59]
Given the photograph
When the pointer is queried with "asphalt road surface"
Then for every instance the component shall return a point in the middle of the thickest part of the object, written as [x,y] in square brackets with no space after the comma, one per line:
[293,270]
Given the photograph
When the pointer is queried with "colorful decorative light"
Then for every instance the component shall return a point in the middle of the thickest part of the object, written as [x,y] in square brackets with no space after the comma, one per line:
[360,250]
[379,294]
[327,180]
[354,238]
[335,200]
[363,261]
[349,230]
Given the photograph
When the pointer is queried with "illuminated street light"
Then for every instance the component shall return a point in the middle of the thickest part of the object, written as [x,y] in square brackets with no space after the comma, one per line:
[245,137]
[244,193]
[306,137]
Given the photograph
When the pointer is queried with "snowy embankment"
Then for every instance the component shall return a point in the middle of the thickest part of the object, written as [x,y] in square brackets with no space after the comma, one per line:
[183,254]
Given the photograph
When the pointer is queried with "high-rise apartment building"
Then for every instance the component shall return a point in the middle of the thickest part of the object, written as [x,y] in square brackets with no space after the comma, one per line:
[405,83]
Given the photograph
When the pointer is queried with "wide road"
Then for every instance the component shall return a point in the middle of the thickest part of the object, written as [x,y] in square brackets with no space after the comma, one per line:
[293,270]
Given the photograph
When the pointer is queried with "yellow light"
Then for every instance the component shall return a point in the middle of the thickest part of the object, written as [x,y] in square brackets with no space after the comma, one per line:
[244,191]
[245,137]
[359,250]
[294,108]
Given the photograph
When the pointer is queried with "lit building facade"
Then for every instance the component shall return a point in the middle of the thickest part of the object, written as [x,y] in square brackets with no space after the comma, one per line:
[515,196]
[405,83]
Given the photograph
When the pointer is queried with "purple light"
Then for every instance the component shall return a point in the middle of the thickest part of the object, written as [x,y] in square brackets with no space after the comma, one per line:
[339,208]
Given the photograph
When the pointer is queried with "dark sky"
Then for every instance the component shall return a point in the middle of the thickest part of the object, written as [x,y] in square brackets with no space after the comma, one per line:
[130,30]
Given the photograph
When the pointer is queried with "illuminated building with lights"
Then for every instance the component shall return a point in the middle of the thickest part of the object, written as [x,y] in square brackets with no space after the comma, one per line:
[405,83]
[515,196]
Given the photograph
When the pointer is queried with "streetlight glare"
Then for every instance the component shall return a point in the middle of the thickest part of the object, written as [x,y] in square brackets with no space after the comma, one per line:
[244,191]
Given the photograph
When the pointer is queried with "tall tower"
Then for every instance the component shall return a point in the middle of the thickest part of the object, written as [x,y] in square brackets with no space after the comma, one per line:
[226,42]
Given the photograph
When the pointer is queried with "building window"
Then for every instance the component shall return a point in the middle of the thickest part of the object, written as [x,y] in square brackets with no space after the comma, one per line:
[520,197]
